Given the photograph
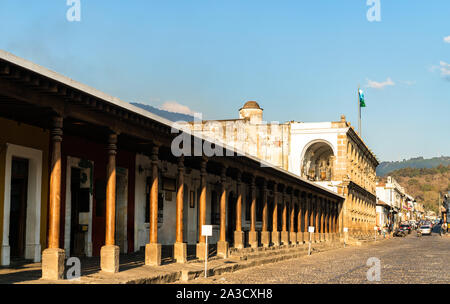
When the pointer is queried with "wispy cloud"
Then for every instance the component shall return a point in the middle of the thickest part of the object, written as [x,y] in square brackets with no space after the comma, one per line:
[173,106]
[379,85]
[447,39]
[444,67]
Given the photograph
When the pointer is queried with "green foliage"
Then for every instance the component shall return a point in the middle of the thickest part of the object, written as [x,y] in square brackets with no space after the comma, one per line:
[425,184]
[386,168]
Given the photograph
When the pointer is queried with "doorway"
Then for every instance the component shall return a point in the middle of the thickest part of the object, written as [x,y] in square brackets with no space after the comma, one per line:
[18,211]
[78,209]
[79,225]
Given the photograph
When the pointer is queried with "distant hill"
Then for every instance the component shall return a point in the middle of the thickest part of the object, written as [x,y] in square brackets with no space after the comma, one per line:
[419,162]
[425,184]
[172,116]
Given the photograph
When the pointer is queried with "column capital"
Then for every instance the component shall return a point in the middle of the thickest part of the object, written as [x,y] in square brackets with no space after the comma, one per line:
[239,177]
[112,144]
[154,155]
[264,184]
[56,131]
[203,166]
[252,181]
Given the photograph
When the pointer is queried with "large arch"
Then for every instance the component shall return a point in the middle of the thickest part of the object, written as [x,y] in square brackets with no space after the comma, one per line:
[317,161]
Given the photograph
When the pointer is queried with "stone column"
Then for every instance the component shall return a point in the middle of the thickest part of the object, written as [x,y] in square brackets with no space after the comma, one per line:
[222,244]
[317,219]
[53,257]
[322,219]
[180,248]
[325,219]
[153,249]
[284,231]
[109,254]
[292,233]
[253,234]
[201,245]
[275,232]
[336,219]
[330,220]
[265,234]
[337,224]
[299,219]
[238,233]
[312,216]
[306,217]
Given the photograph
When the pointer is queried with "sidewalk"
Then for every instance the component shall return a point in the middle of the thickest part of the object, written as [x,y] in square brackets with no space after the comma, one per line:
[133,270]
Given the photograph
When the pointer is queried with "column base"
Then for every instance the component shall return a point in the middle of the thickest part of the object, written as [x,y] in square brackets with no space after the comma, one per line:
[239,239]
[153,254]
[293,237]
[322,237]
[109,258]
[253,239]
[265,238]
[300,238]
[180,252]
[222,249]
[276,238]
[285,237]
[200,251]
[316,237]
[53,264]
[6,249]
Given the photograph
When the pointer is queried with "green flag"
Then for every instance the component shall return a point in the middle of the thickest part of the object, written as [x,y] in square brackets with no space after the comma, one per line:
[362,104]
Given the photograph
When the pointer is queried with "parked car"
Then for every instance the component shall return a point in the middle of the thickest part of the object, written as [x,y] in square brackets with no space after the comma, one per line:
[425,229]
[406,227]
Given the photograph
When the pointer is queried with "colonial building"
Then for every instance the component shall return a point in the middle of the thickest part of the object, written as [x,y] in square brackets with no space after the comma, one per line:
[83,173]
[330,154]
[394,195]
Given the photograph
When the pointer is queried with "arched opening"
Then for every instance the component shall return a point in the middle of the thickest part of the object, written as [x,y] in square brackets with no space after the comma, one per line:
[317,163]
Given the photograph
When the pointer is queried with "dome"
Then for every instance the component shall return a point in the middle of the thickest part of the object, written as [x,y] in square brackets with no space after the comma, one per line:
[251,105]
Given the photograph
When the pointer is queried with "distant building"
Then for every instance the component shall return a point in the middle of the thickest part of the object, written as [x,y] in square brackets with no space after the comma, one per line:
[330,154]
[394,195]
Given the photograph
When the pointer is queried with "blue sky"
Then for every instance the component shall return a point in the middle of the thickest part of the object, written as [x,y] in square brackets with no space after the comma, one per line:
[301,60]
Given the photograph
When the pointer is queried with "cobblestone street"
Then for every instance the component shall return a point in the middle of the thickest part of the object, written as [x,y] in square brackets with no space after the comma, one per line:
[403,260]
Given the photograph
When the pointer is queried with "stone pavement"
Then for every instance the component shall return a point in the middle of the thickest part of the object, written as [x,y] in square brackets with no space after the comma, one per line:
[133,270]
[421,260]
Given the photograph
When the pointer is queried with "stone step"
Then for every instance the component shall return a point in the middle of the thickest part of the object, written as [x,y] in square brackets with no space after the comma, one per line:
[280,250]
[260,258]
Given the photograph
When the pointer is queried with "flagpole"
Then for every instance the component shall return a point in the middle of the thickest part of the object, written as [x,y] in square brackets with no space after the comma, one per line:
[359,112]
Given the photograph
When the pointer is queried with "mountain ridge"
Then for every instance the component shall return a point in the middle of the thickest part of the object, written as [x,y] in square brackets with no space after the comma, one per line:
[420,162]
[172,116]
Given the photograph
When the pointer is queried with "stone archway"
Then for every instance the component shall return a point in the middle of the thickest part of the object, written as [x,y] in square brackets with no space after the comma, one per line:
[318,161]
